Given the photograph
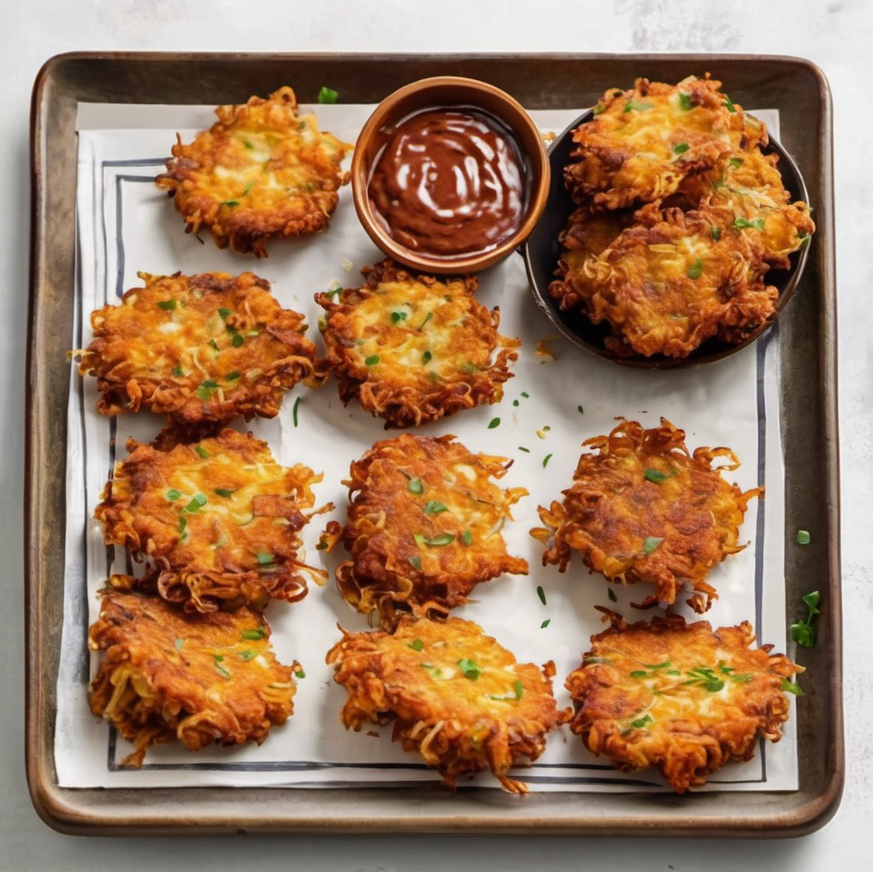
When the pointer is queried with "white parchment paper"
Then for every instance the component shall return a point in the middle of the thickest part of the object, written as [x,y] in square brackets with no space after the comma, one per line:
[125,224]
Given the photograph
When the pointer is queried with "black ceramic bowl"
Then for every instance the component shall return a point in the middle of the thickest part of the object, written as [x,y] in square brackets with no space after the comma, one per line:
[543,250]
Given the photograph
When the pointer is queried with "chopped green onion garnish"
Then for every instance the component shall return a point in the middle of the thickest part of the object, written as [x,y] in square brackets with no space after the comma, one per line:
[525,450]
[541,594]
[611,594]
[201,451]
[167,305]
[467,537]
[494,422]
[441,539]
[265,558]
[300,673]
[416,645]
[744,224]
[434,507]
[695,270]
[715,232]
[469,668]
[426,319]
[224,312]
[525,394]
[791,687]
[327,95]
[415,486]
[681,148]
[803,537]
[173,494]
[232,376]
[518,687]
[685,101]
[248,654]
[221,670]
[178,371]
[224,492]
[372,360]
[255,634]
[736,162]
[651,543]
[729,104]
[426,357]
[294,411]
[655,475]
[237,339]
[545,623]
[639,723]
[581,410]
[546,460]
[415,562]
[398,316]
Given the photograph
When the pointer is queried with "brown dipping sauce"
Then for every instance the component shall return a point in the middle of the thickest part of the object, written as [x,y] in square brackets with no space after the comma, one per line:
[449,182]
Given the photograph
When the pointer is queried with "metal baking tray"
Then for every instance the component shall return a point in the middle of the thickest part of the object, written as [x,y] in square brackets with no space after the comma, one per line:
[808,403]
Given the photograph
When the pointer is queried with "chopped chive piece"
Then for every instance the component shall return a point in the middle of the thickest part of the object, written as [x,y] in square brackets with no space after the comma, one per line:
[294,411]
[639,673]
[695,270]
[255,634]
[655,475]
[167,305]
[224,312]
[736,162]
[715,232]
[183,523]
[300,673]
[173,494]
[515,402]
[224,492]
[639,723]
[230,203]
[469,668]
[685,101]
[632,106]
[416,645]
[232,376]
[525,450]
[197,502]
[419,539]
[178,371]
[248,654]
[545,623]
[546,460]
[611,594]
[744,224]
[220,669]
[681,148]
[201,451]
[327,95]
[440,540]
[651,543]
[525,394]
[541,594]
[803,537]
[372,360]
[265,558]
[426,357]
[467,537]
[494,422]
[415,486]
[426,319]
[581,410]
[518,687]
[214,344]
[791,687]
[209,383]
[237,339]
[415,562]
[434,507]
[729,104]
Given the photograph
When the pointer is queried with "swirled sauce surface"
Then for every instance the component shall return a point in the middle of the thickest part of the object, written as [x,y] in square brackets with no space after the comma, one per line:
[449,182]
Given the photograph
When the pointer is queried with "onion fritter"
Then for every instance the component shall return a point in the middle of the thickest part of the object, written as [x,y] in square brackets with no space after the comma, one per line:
[200,679]
[413,348]
[678,696]
[454,694]
[261,171]
[201,348]
[423,526]
[219,519]
[681,216]
[643,509]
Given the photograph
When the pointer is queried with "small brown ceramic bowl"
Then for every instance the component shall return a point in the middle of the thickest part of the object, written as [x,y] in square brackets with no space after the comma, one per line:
[451,93]
[543,250]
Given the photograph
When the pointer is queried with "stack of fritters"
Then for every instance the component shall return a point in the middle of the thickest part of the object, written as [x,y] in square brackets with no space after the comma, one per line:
[680,216]
[423,526]
[678,696]
[453,693]
[200,679]
[413,348]
[218,519]
[261,171]
[643,509]
[202,348]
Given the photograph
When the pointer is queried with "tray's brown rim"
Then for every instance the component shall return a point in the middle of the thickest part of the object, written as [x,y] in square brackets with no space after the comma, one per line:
[183,810]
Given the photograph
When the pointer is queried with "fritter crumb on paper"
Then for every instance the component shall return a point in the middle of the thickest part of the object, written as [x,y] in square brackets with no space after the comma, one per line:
[412,348]
[678,696]
[453,694]
[169,675]
[644,509]
[260,172]
[423,526]
[202,348]
[219,520]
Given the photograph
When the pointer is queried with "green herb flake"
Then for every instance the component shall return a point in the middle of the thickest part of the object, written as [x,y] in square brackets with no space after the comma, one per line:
[327,95]
[469,668]
[611,594]
[372,360]
[729,104]
[695,270]
[546,460]
[434,507]
[416,645]
[803,537]
[426,319]
[173,494]
[214,345]
[639,673]
[397,317]
[744,224]
[440,540]
[639,723]
[224,492]
[178,372]
[198,501]
[545,623]
[525,450]
[651,543]
[655,475]
[580,410]
[255,634]
[494,422]
[224,313]
[518,687]
[685,101]
[541,594]
[265,558]
[715,232]
[237,339]
[167,305]
[183,523]
[415,562]
[681,148]
[232,376]
[230,203]
[515,403]
[219,668]
[736,162]
[426,357]
[201,451]
[467,538]
[634,106]
[294,411]
[791,687]
[415,486]
[248,654]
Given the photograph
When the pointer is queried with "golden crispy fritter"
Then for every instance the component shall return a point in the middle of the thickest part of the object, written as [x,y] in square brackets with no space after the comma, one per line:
[643,509]
[454,694]
[413,348]
[681,216]
[423,526]
[678,696]
[169,675]
[218,518]
[201,348]
[261,171]
[642,143]
[666,287]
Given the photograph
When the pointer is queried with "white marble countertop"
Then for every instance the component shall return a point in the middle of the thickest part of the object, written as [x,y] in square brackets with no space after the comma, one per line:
[835,35]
